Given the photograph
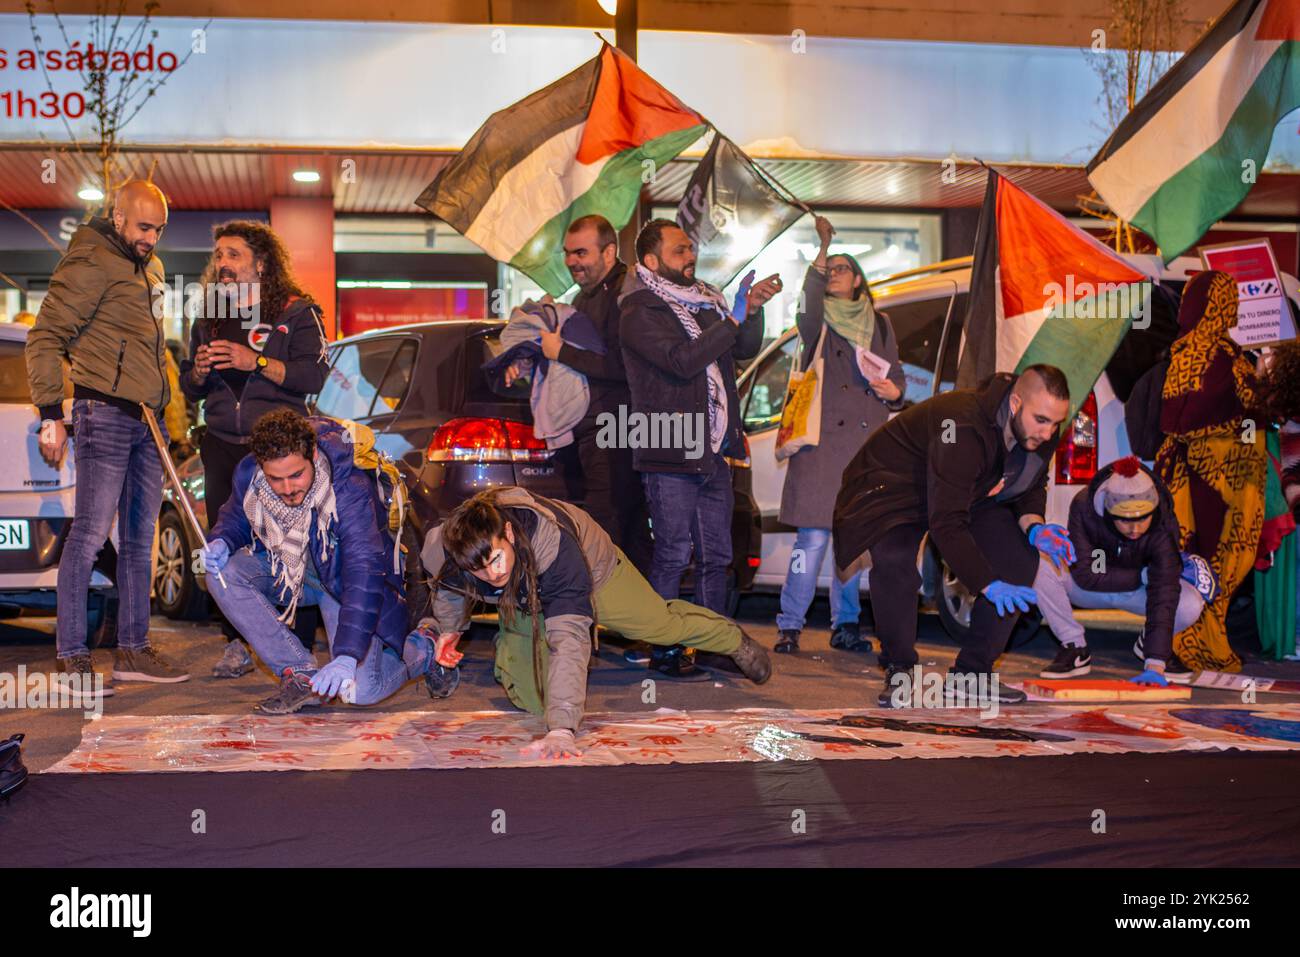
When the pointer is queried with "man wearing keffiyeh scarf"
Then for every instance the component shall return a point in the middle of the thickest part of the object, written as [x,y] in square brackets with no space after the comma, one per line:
[681,340]
[286,529]
[686,302]
[305,525]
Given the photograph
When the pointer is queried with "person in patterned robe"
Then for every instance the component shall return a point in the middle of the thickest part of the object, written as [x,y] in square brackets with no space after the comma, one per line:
[1213,458]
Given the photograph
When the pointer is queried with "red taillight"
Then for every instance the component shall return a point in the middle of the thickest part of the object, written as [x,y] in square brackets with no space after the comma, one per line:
[523,440]
[754,562]
[486,440]
[1076,456]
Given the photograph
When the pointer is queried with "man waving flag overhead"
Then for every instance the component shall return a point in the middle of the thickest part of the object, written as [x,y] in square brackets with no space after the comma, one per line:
[1044,291]
[1190,150]
[576,147]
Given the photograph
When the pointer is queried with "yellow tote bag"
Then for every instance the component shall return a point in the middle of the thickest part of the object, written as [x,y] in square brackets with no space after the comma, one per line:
[801,416]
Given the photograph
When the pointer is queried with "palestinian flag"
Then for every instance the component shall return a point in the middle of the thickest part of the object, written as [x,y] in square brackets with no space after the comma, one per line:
[1043,290]
[576,147]
[1189,151]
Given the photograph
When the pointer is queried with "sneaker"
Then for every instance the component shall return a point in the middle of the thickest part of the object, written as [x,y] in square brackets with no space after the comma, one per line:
[1005,693]
[294,694]
[84,686]
[752,660]
[787,642]
[638,655]
[675,661]
[1071,662]
[1175,671]
[234,661]
[886,697]
[13,773]
[145,664]
[848,637]
[441,681]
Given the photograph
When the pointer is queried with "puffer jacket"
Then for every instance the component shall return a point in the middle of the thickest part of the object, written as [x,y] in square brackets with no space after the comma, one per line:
[575,558]
[1123,560]
[103,313]
[357,570]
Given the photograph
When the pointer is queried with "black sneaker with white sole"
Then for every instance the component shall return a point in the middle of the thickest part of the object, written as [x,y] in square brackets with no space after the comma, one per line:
[1175,670]
[1072,661]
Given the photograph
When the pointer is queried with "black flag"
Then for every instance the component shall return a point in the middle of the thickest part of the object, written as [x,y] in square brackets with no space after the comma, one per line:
[731,211]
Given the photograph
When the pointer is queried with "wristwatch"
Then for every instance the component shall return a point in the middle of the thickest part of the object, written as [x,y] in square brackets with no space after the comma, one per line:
[262,363]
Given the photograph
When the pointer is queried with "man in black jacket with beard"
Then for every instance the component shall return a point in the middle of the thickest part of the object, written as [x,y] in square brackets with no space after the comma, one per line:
[680,341]
[970,467]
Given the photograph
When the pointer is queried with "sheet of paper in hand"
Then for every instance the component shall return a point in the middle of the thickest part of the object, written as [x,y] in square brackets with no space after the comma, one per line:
[871,365]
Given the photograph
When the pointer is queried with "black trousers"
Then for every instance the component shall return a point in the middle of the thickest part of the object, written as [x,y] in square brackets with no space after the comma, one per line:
[607,487]
[219,459]
[894,581]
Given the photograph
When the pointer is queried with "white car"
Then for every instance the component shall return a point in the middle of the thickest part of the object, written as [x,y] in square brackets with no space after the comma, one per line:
[927,307]
[36,507]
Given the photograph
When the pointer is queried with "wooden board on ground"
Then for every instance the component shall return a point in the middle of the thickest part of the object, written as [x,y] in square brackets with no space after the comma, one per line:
[1103,689]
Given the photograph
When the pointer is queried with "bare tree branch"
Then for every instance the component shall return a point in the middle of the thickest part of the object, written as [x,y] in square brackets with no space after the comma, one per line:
[35,225]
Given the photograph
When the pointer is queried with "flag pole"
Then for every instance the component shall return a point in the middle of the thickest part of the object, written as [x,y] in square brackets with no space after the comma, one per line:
[169,473]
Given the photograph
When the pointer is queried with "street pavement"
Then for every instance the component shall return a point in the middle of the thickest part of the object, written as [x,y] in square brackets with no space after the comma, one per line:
[817,677]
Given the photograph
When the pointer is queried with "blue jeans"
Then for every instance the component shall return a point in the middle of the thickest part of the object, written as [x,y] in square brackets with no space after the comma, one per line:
[118,472]
[248,601]
[691,511]
[810,546]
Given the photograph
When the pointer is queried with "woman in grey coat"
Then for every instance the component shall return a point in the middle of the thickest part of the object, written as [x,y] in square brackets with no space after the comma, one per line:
[854,403]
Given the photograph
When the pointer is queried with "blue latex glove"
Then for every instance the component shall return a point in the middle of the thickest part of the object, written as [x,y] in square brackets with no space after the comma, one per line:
[329,679]
[1149,677]
[740,306]
[1198,573]
[215,555]
[1008,598]
[1054,542]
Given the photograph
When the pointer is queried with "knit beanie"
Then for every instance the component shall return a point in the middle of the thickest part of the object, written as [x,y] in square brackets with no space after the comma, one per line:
[1129,492]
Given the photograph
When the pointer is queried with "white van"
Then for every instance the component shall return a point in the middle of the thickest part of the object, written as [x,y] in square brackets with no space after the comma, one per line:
[36,506]
[927,307]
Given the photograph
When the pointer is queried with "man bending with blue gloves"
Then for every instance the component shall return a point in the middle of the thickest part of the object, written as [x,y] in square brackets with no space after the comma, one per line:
[969,467]
[305,525]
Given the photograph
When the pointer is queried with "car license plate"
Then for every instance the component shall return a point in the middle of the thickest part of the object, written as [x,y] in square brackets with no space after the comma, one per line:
[15,533]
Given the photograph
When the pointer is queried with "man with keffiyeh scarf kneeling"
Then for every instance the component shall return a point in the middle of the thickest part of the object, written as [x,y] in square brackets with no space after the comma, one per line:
[304,525]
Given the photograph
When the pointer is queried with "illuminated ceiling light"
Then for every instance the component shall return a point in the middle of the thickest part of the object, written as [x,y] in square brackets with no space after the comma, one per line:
[90,194]
[609,6]
[306,176]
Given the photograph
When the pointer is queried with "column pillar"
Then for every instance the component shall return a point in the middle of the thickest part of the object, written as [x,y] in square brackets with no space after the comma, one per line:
[306,227]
